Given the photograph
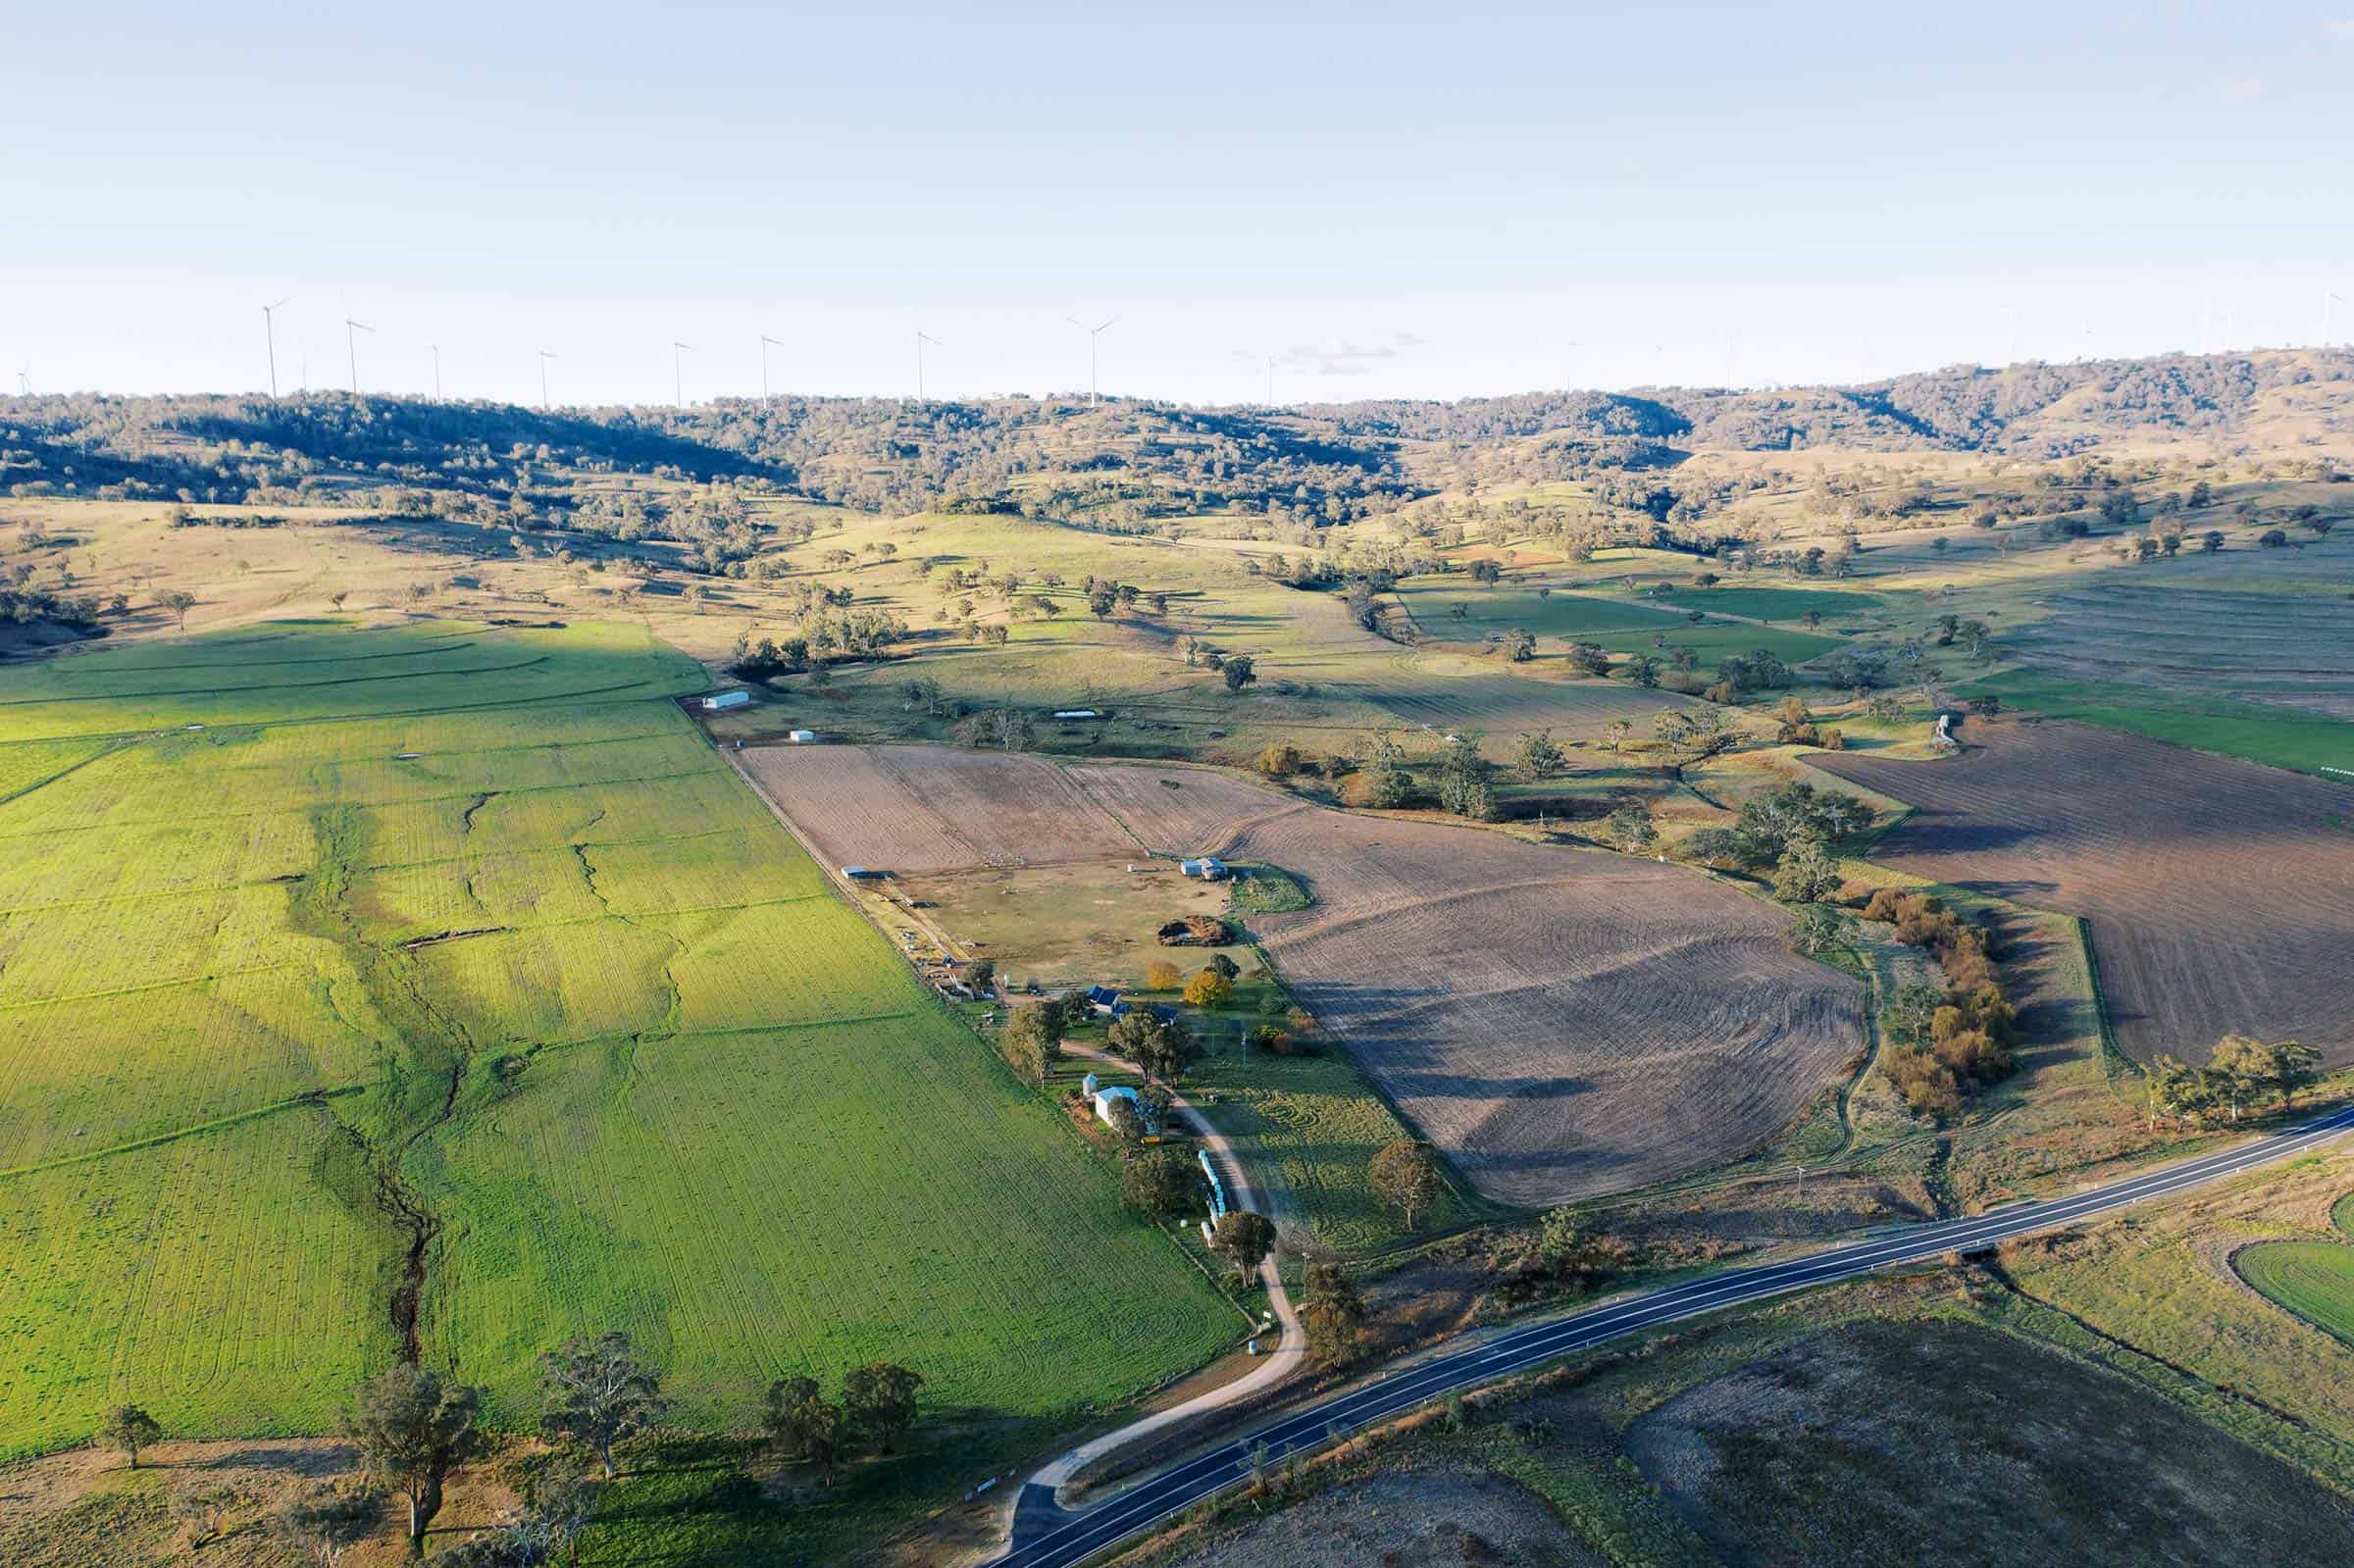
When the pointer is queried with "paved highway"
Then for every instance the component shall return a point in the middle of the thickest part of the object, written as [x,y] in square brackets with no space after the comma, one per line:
[1047,1536]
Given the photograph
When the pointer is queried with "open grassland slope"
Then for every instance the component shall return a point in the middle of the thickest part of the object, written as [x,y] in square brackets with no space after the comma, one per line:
[2219,894]
[1561,1023]
[444,994]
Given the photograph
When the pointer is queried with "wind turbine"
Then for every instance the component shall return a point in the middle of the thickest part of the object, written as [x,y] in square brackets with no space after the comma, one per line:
[1093,334]
[24,380]
[351,346]
[437,348]
[766,343]
[2329,299]
[921,339]
[544,356]
[677,373]
[270,339]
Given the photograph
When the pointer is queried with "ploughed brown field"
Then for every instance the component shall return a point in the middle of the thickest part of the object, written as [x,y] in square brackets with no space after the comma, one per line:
[1561,1023]
[2220,893]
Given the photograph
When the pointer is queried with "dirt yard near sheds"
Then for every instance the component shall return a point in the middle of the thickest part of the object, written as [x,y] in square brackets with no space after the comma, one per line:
[2219,894]
[1561,1023]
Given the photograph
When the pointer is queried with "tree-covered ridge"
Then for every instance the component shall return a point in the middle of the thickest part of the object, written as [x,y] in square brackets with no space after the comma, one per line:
[1121,464]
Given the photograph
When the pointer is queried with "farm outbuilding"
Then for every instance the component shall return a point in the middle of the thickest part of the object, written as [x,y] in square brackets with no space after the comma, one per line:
[861,873]
[1209,868]
[720,700]
[801,738]
[1077,713]
[1104,1097]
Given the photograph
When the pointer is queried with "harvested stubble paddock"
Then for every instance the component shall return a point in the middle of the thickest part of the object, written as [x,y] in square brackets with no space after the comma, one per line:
[2219,894]
[1561,1023]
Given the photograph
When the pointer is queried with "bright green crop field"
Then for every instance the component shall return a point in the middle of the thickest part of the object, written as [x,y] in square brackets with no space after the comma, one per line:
[2314,1279]
[308,917]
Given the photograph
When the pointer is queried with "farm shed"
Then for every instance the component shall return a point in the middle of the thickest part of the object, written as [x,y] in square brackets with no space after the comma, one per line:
[861,873]
[1077,713]
[719,701]
[1104,1097]
[801,737]
[1209,868]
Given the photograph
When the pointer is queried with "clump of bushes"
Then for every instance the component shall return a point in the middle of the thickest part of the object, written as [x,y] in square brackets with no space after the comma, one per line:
[1944,1042]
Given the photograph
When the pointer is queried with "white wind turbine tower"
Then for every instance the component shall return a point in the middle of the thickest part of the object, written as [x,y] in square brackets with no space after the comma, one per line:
[921,339]
[677,373]
[1093,334]
[437,348]
[270,339]
[24,380]
[766,343]
[544,356]
[351,346]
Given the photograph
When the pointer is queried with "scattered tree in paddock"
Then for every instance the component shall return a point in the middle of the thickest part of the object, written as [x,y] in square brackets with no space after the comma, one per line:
[597,1393]
[878,1402]
[803,1425]
[179,601]
[1629,830]
[127,1430]
[1540,757]
[412,1430]
[1239,670]
[1404,1175]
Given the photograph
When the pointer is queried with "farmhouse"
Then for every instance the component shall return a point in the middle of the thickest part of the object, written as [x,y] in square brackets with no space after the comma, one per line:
[1106,1002]
[1209,868]
[719,701]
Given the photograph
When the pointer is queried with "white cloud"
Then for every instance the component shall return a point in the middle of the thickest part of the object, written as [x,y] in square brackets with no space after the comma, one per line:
[1342,358]
[2239,90]
[2341,28]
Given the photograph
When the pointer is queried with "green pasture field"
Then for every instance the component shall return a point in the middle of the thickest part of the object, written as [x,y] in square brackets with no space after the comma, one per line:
[1616,625]
[2314,1279]
[1769,604]
[475,916]
[2282,737]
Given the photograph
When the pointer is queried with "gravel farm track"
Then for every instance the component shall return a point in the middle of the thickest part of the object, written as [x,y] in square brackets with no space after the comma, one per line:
[2219,895]
[1563,1022]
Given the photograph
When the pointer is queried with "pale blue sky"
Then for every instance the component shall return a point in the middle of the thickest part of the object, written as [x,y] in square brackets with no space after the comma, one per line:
[1433,200]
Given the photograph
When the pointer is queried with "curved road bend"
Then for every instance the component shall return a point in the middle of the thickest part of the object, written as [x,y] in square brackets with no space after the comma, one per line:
[1047,1536]
[1280,1363]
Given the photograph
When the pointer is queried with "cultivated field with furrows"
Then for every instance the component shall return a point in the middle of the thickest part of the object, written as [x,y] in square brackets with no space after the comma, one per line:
[351,941]
[2219,894]
[1561,1023]
[2290,648]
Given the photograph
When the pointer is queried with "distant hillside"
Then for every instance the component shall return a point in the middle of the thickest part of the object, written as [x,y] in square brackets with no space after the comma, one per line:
[1129,461]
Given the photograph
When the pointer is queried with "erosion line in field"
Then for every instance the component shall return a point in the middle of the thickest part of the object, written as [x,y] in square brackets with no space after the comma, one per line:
[180,818]
[82,699]
[436,1043]
[107,751]
[315,1096]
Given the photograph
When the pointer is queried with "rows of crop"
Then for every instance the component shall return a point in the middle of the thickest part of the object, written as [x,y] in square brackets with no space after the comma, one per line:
[136,860]
[768,1204]
[215,1279]
[79,1076]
